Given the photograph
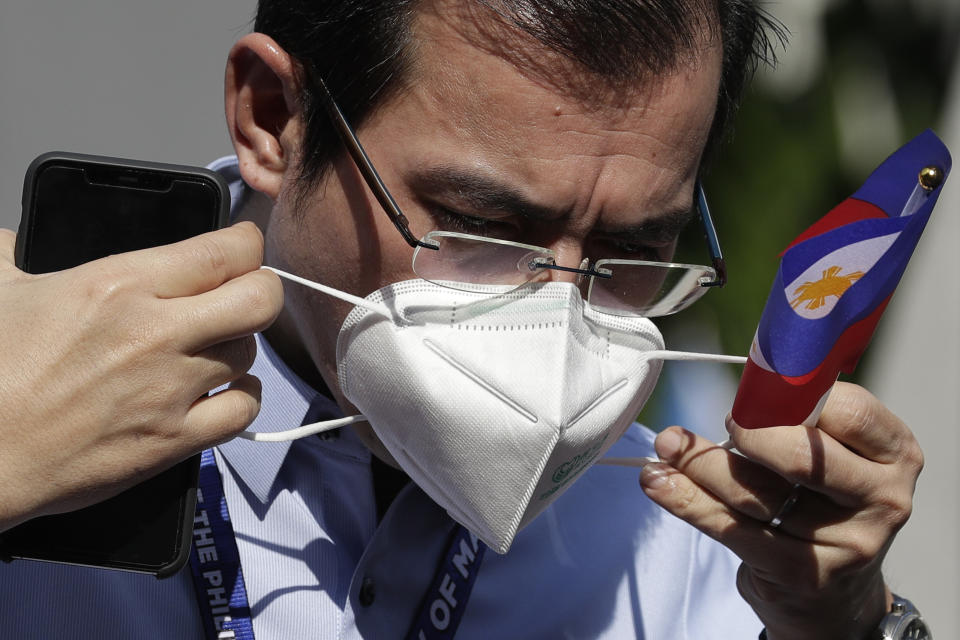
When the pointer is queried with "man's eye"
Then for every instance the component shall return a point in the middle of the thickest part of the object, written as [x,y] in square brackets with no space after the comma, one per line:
[451,221]
[448,220]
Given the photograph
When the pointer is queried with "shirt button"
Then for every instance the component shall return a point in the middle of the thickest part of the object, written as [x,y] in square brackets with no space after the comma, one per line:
[368,592]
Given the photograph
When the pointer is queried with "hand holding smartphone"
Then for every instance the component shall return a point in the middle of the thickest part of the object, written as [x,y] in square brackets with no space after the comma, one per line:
[107,364]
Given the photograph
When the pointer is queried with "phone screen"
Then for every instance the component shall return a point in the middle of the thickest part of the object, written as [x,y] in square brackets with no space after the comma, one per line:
[82,214]
[81,208]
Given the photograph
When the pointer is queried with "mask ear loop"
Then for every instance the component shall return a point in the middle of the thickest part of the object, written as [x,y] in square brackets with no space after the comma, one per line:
[688,356]
[691,356]
[301,432]
[326,425]
[376,307]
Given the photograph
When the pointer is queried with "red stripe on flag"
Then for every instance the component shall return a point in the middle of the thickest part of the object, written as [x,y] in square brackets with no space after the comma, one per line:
[850,210]
[767,399]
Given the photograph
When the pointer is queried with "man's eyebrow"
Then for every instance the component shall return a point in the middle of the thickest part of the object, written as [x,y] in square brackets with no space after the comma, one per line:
[663,226]
[480,192]
[484,193]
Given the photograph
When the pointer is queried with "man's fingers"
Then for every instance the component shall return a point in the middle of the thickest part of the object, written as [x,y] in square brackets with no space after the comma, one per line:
[856,418]
[813,458]
[241,307]
[751,489]
[201,263]
[747,487]
[757,544]
[790,565]
[218,418]
[224,362]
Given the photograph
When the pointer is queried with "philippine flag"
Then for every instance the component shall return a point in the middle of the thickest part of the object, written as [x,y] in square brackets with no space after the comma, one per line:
[834,282]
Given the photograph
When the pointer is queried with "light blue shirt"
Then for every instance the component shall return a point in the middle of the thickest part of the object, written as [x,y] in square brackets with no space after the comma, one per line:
[602,562]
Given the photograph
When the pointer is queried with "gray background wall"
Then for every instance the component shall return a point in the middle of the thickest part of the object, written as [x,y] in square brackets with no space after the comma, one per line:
[143,80]
[112,77]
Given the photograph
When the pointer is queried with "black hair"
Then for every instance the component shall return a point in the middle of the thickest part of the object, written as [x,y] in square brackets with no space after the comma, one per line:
[361,49]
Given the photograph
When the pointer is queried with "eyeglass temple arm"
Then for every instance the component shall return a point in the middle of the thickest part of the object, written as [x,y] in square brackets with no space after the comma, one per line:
[713,244]
[369,173]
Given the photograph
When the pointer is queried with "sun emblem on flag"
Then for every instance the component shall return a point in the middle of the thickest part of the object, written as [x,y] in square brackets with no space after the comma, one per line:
[815,294]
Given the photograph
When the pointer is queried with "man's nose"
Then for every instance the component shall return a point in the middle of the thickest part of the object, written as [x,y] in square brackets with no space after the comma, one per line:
[569,254]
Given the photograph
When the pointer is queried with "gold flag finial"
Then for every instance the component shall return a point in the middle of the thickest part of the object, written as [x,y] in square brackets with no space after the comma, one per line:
[931,177]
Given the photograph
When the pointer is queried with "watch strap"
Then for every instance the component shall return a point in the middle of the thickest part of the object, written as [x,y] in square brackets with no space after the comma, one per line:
[903,622]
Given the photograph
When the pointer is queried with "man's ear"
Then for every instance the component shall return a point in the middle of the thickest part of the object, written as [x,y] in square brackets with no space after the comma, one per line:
[263,114]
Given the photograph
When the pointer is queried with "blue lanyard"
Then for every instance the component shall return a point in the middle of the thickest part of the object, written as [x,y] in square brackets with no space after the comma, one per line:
[215,561]
[222,594]
[446,599]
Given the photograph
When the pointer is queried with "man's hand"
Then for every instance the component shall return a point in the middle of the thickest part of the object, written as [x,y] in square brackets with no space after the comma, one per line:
[817,575]
[106,367]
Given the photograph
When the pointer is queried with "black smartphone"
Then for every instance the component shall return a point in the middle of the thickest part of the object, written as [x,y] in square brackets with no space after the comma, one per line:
[78,208]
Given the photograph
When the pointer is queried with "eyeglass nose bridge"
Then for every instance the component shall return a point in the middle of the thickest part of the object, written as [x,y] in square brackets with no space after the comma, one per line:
[584,270]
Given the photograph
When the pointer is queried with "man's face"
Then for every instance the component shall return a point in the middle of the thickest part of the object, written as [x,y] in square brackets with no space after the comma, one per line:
[475,136]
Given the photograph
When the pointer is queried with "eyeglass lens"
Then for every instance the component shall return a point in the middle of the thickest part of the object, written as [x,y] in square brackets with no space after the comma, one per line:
[647,289]
[473,260]
[651,289]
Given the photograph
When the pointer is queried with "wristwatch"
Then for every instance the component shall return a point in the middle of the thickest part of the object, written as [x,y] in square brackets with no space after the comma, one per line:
[903,622]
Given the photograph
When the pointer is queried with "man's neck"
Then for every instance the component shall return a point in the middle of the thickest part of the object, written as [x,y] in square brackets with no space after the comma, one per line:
[282,335]
[294,356]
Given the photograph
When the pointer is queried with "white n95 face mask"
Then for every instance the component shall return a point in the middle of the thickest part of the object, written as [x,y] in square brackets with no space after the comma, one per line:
[494,404]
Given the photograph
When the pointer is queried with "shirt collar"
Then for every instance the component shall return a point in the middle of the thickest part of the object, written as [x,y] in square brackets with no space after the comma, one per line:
[285,399]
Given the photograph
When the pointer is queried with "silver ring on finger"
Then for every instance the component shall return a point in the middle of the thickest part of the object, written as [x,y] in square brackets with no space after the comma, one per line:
[785,508]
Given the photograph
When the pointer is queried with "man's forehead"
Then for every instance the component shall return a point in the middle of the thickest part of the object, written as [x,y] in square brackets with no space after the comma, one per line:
[462,73]
[565,59]
[473,92]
